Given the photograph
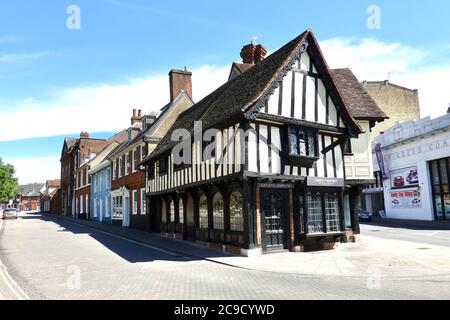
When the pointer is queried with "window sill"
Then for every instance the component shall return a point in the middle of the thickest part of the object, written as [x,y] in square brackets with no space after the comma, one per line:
[302,161]
[313,235]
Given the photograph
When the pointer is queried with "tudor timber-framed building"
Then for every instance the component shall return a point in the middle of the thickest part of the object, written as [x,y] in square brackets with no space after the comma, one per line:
[275,176]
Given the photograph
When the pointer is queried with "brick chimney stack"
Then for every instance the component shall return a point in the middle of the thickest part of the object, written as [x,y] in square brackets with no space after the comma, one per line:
[180,80]
[84,135]
[137,115]
[248,53]
[260,53]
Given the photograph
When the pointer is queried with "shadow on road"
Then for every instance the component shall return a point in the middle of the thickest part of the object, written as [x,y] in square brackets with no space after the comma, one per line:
[141,247]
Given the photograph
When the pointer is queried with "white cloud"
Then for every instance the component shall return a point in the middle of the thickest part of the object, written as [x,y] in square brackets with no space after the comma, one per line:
[106,107]
[98,108]
[35,169]
[22,57]
[406,66]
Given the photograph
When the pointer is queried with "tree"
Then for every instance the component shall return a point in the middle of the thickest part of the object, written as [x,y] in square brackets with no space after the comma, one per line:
[8,183]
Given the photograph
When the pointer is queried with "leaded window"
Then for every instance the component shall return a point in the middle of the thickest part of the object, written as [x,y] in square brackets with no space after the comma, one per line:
[314,209]
[302,142]
[203,212]
[172,211]
[332,212]
[180,211]
[218,216]
[236,212]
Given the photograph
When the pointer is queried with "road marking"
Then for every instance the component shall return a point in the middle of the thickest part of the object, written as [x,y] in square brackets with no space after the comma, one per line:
[12,285]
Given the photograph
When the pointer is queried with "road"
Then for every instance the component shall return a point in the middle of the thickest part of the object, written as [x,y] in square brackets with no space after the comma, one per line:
[418,234]
[45,258]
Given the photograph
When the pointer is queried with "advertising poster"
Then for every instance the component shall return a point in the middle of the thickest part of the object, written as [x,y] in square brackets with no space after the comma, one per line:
[405,199]
[404,178]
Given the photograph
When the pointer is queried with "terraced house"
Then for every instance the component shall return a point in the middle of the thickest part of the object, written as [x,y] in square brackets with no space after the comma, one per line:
[262,165]
[128,194]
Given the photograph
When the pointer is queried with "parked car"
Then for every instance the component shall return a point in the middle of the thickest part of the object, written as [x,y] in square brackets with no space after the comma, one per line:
[10,213]
[364,215]
[399,181]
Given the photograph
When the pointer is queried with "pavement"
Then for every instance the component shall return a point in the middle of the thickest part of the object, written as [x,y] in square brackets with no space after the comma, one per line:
[373,248]
[53,257]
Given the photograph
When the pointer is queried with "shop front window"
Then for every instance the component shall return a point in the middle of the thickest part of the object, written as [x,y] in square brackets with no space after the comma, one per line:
[218,217]
[332,212]
[314,209]
[236,212]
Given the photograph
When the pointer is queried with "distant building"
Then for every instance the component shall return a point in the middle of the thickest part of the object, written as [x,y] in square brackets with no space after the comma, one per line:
[416,165]
[398,103]
[30,196]
[51,197]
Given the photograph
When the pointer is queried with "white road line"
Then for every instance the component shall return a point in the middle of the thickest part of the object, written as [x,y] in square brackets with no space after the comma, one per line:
[12,285]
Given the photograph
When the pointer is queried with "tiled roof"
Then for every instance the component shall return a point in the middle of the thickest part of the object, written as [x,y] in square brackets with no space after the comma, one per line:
[54,183]
[31,190]
[359,102]
[241,93]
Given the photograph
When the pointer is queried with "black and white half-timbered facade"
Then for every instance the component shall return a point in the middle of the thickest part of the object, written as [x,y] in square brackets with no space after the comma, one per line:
[263,154]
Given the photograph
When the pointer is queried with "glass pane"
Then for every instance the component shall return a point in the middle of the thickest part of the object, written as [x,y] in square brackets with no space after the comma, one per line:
[218,217]
[172,212]
[236,212]
[203,212]
[438,203]
[332,212]
[311,145]
[447,205]
[180,211]
[293,146]
[434,173]
[444,177]
[314,205]
[347,214]
[302,142]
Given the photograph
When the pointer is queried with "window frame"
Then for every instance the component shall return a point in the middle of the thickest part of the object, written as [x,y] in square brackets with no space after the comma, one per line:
[312,150]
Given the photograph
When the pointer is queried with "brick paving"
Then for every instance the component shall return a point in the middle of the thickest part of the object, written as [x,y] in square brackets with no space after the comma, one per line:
[54,258]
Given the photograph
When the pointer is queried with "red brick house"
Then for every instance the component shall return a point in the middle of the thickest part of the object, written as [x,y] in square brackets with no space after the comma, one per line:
[67,176]
[128,186]
[30,197]
[85,149]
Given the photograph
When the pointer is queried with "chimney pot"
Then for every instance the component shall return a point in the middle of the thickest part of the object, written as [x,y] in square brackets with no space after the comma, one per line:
[260,53]
[448,110]
[84,135]
[248,53]
[180,80]
[139,113]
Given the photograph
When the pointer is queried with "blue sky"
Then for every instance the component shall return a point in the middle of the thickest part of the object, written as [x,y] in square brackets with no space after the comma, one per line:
[126,46]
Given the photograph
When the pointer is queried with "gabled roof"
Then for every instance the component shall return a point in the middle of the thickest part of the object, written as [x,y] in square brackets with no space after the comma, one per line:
[56,183]
[357,99]
[245,94]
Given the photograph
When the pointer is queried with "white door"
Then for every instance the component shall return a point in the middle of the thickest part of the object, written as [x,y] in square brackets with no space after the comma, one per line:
[126,212]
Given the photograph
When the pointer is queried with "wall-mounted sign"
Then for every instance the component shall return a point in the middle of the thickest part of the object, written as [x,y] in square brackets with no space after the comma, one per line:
[404,178]
[275,185]
[380,161]
[406,199]
[324,182]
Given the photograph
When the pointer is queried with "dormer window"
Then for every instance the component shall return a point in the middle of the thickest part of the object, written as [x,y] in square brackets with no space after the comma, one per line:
[302,146]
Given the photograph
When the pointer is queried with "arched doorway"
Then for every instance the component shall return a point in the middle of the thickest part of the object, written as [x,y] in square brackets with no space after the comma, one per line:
[190,220]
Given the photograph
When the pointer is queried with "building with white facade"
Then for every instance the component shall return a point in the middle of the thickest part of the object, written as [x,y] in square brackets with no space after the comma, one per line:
[415,170]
